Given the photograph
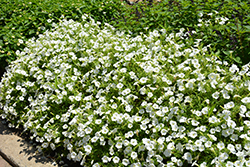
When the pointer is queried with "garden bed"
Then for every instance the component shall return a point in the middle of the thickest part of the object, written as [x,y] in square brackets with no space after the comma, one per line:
[99,97]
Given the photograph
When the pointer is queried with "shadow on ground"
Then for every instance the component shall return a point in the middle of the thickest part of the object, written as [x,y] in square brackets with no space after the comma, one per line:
[20,145]
[27,147]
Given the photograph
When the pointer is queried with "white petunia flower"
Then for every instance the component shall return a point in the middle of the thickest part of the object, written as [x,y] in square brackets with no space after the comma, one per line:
[126,91]
[134,155]
[247,163]
[229,105]
[119,85]
[233,68]
[143,80]
[213,119]
[245,100]
[231,123]
[192,134]
[118,145]
[88,148]
[230,164]
[116,159]
[198,143]
[150,94]
[238,163]
[137,118]
[125,162]
[106,159]
[220,145]
[167,153]
[171,146]
[215,95]
[231,148]
[203,128]
[208,144]
[133,142]
[195,123]
[213,76]
[188,156]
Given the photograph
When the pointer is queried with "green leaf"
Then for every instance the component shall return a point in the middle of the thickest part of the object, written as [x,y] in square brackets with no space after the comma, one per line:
[238,60]
[2,55]
[211,110]
[31,32]
[228,53]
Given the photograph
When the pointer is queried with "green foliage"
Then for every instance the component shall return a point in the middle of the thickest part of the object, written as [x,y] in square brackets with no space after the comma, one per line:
[233,35]
[102,98]
[21,20]
[223,25]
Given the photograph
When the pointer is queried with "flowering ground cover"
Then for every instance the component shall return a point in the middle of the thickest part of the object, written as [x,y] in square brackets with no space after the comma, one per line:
[103,98]
[224,25]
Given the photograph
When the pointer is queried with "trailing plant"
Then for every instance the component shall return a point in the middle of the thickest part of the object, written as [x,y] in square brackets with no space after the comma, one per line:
[103,98]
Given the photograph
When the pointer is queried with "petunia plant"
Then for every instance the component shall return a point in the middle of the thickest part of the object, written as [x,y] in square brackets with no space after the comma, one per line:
[102,98]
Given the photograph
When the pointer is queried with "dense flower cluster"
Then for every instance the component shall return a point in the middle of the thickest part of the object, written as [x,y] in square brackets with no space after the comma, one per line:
[109,99]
